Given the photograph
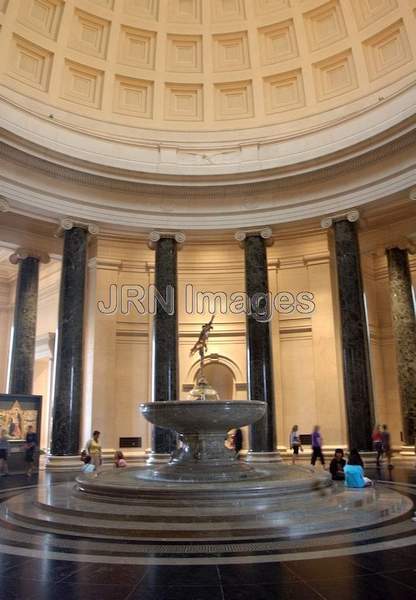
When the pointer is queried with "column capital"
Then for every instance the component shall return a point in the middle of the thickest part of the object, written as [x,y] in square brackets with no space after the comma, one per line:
[67,223]
[23,253]
[265,233]
[155,236]
[4,205]
[352,216]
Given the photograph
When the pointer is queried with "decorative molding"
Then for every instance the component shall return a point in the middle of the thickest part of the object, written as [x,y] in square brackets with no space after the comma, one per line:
[230,52]
[387,51]
[184,101]
[335,75]
[234,100]
[185,11]
[325,25]
[227,10]
[321,258]
[133,97]
[284,91]
[137,47]
[42,16]
[30,64]
[368,12]
[89,34]
[82,84]
[240,197]
[277,42]
[184,53]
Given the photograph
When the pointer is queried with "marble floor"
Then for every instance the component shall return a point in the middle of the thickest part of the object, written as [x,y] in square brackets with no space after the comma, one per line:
[388,573]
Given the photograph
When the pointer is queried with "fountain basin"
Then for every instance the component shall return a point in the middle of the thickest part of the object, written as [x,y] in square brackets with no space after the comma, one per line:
[202,426]
[203,416]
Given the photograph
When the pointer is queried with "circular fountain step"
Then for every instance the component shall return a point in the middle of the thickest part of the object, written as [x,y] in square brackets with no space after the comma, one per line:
[60,522]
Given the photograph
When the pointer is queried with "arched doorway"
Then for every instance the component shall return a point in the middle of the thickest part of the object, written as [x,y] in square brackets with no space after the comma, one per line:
[221,378]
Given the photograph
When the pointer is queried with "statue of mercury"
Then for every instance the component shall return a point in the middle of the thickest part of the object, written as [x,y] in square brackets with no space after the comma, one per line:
[201,345]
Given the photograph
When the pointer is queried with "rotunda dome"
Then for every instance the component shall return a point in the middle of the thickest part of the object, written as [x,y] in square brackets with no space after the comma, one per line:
[204,65]
[199,93]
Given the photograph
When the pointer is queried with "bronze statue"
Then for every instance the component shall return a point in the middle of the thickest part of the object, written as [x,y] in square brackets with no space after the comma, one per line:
[201,343]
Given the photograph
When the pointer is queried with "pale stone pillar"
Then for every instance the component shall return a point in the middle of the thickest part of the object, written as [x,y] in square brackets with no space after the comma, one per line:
[330,401]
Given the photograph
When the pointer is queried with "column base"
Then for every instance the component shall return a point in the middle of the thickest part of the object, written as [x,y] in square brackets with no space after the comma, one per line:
[305,456]
[407,453]
[262,457]
[155,458]
[369,457]
[63,463]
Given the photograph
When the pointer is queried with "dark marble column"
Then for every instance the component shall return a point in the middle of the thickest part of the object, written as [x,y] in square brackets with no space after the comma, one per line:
[68,376]
[355,345]
[404,328]
[25,314]
[259,353]
[165,335]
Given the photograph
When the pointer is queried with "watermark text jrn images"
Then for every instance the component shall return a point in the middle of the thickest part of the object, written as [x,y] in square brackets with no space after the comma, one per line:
[127,299]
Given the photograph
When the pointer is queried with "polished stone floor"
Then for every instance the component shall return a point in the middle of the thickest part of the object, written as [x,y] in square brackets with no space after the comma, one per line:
[389,573]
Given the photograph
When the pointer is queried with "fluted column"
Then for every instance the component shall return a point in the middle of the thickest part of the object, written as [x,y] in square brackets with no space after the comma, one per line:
[68,376]
[25,315]
[404,329]
[355,344]
[259,353]
[165,382]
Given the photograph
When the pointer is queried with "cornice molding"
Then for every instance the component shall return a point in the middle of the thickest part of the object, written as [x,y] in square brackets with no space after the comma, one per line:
[282,199]
[315,169]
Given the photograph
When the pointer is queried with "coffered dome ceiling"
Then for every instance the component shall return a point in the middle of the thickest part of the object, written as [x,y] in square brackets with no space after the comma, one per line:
[204,64]
[204,90]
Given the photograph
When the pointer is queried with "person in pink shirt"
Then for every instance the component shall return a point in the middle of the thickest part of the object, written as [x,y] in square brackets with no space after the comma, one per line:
[119,460]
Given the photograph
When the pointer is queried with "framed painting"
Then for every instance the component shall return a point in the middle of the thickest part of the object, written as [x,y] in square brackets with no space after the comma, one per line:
[17,413]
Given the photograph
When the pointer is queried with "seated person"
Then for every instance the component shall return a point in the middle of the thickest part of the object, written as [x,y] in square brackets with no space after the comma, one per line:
[88,467]
[337,465]
[119,460]
[354,472]
[230,440]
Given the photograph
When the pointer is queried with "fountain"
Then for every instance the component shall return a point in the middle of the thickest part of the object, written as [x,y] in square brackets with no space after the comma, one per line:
[204,503]
[202,459]
[202,423]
